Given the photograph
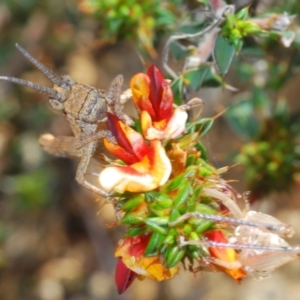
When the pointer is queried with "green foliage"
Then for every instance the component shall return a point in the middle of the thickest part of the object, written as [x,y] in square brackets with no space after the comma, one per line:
[237,27]
[31,191]
[210,49]
[271,156]
[223,54]
[132,19]
[163,212]
[200,77]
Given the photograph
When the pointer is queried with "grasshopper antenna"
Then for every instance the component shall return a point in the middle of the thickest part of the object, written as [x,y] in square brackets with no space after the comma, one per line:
[39,88]
[51,76]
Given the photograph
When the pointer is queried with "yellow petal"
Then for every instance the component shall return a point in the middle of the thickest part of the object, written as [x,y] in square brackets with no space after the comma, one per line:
[140,86]
[160,165]
[131,251]
[121,179]
[157,130]
[148,174]
[150,267]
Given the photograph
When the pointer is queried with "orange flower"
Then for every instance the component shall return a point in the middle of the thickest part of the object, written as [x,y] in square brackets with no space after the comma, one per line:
[148,167]
[226,255]
[131,251]
[153,96]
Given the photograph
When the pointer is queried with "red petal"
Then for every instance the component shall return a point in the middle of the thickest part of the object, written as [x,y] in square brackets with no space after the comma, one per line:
[139,244]
[124,277]
[216,236]
[156,88]
[226,254]
[119,152]
[115,128]
[130,142]
[136,140]
[166,105]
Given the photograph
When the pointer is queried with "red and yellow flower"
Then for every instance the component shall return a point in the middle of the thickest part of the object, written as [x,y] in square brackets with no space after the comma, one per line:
[226,255]
[130,252]
[148,167]
[172,201]
[152,94]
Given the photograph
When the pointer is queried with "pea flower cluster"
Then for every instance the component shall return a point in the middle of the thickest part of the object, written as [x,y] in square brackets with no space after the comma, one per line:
[173,202]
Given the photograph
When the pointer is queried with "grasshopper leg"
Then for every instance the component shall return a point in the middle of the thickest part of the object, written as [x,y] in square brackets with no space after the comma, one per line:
[87,153]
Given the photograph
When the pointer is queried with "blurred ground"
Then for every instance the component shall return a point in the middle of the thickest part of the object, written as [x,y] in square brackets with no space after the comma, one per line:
[54,244]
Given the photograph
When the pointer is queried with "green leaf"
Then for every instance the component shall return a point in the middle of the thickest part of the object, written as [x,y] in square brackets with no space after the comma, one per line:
[131,219]
[171,236]
[161,205]
[174,256]
[202,126]
[205,126]
[133,203]
[201,148]
[177,88]
[178,51]
[152,196]
[138,126]
[223,54]
[190,172]
[154,244]
[155,225]
[243,13]
[194,199]
[134,231]
[187,228]
[197,77]
[174,215]
[174,184]
[182,193]
[158,220]
[205,169]
[205,209]
[194,236]
[253,51]
[203,226]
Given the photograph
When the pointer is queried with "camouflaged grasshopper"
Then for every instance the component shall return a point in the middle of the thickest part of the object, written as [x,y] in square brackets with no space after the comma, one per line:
[85,109]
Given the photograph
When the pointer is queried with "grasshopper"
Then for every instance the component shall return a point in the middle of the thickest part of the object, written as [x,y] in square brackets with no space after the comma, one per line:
[85,109]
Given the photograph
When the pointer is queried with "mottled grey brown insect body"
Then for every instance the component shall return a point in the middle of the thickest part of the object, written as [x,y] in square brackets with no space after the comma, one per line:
[85,108]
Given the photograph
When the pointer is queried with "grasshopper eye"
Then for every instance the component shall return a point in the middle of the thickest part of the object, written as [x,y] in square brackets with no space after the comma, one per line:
[70,80]
[55,104]
[67,81]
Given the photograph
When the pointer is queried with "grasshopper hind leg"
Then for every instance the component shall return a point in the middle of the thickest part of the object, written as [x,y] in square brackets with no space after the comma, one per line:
[61,146]
[87,153]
